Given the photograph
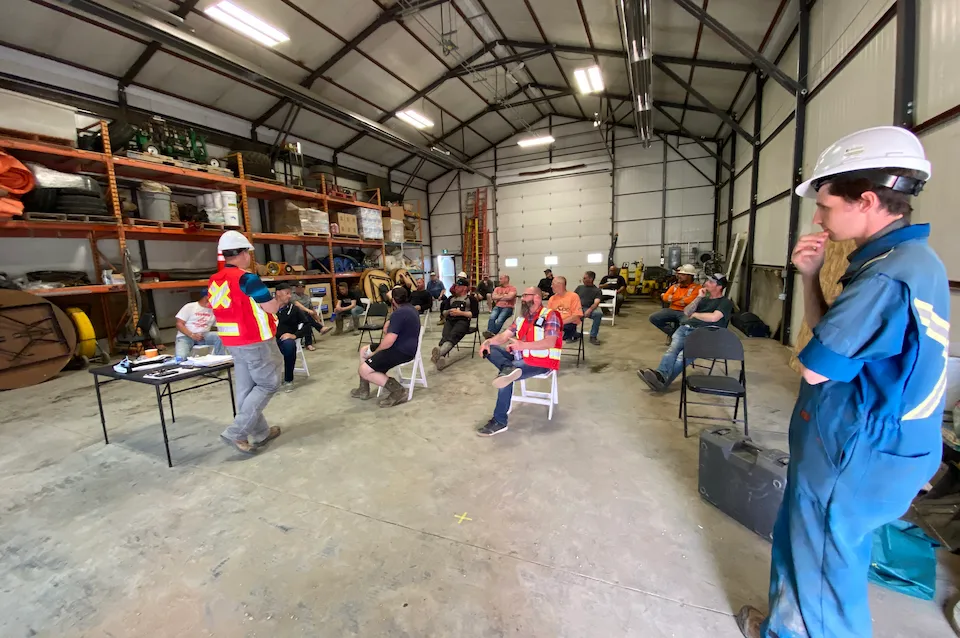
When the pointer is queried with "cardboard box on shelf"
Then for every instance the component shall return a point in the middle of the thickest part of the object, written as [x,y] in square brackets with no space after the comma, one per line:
[395,212]
[347,223]
[297,221]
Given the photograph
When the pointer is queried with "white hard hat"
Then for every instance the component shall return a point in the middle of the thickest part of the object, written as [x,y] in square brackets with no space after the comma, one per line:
[233,240]
[686,269]
[462,274]
[870,149]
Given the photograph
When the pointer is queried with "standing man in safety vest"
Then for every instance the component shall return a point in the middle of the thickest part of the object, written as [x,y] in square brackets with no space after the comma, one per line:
[530,346]
[245,311]
[865,432]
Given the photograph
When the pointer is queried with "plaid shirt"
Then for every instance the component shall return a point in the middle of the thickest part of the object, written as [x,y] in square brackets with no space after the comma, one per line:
[552,324]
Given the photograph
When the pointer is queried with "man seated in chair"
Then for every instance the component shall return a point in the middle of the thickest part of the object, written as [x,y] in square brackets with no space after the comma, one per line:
[614,281]
[710,308]
[194,322]
[529,347]
[420,298]
[401,337]
[348,306]
[568,305]
[590,299]
[678,296]
[504,297]
[462,308]
[300,298]
[292,324]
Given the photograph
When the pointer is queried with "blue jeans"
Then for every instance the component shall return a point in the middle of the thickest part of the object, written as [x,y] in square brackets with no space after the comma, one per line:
[501,358]
[597,316]
[183,344]
[671,364]
[288,348]
[667,320]
[498,317]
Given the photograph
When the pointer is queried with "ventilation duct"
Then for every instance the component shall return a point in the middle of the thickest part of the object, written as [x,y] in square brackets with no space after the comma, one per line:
[635,34]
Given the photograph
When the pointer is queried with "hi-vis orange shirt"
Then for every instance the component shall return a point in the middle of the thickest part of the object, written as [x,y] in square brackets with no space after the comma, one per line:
[679,297]
[240,319]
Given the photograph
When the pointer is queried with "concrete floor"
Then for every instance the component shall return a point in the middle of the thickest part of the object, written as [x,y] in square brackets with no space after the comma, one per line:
[586,526]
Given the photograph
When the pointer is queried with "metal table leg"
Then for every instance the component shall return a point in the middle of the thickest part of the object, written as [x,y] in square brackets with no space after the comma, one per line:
[233,400]
[163,425]
[173,417]
[103,421]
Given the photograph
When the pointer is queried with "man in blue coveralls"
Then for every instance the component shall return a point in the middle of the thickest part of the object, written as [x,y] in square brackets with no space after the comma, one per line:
[865,431]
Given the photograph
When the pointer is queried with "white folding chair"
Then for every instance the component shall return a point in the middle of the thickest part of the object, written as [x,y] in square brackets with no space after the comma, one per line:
[425,320]
[301,367]
[609,303]
[418,373]
[548,399]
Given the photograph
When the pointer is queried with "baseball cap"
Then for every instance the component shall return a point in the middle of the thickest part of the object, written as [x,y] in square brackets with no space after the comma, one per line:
[546,270]
[720,279]
[686,269]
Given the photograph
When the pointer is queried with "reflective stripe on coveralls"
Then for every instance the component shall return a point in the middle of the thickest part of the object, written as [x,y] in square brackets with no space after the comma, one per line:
[863,443]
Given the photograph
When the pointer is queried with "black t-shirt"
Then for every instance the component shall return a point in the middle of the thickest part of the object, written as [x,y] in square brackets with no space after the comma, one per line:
[546,285]
[352,295]
[723,304]
[405,323]
[613,282]
[421,298]
[588,294]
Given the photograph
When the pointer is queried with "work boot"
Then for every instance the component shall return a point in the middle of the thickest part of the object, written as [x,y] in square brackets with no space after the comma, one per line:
[749,620]
[397,394]
[442,363]
[488,335]
[435,356]
[594,341]
[339,322]
[363,392]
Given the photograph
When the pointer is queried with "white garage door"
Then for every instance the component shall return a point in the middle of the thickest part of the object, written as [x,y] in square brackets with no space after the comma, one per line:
[566,218]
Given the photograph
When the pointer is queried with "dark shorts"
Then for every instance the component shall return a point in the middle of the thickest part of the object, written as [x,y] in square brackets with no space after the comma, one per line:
[387,360]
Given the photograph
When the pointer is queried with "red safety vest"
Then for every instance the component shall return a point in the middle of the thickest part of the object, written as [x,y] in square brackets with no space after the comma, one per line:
[533,331]
[240,320]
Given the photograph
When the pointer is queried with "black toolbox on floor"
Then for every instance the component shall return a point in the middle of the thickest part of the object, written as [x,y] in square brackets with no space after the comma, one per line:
[742,479]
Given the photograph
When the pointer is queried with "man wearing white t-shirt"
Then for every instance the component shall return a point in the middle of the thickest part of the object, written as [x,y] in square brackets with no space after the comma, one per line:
[194,322]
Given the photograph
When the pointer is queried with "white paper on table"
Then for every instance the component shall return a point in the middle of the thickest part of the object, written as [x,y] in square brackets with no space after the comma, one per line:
[208,360]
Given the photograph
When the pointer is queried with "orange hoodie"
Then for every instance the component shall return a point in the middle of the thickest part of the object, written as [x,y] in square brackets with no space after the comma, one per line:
[679,297]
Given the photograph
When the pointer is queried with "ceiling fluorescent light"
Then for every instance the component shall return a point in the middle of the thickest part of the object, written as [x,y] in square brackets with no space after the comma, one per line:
[246,23]
[589,80]
[596,81]
[536,141]
[414,119]
[583,82]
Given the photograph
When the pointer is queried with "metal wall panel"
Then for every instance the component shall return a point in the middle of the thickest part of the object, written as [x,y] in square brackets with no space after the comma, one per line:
[778,103]
[835,28]
[773,224]
[859,97]
[744,151]
[724,210]
[937,203]
[776,164]
[938,84]
[741,193]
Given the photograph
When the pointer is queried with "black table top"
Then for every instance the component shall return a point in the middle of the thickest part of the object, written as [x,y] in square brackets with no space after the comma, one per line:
[138,377]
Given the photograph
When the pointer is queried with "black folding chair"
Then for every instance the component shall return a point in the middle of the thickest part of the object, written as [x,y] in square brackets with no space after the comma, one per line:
[717,344]
[581,348]
[474,329]
[377,311]
[144,339]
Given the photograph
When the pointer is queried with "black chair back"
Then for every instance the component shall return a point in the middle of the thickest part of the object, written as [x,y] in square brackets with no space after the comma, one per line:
[711,342]
[146,322]
[378,309]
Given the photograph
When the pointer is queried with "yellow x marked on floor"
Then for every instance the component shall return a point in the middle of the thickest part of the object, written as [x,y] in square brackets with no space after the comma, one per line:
[461,518]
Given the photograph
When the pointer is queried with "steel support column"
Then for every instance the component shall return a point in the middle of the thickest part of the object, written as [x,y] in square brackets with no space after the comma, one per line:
[733,160]
[663,212]
[728,36]
[798,141]
[905,82]
[716,203]
[754,183]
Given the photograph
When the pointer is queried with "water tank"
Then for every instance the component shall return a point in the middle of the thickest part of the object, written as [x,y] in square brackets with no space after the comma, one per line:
[673,257]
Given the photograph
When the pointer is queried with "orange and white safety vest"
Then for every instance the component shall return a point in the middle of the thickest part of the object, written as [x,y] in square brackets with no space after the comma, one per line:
[240,320]
[533,331]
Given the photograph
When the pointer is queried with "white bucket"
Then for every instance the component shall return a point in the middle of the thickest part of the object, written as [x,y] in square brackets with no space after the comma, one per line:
[208,201]
[217,200]
[231,214]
